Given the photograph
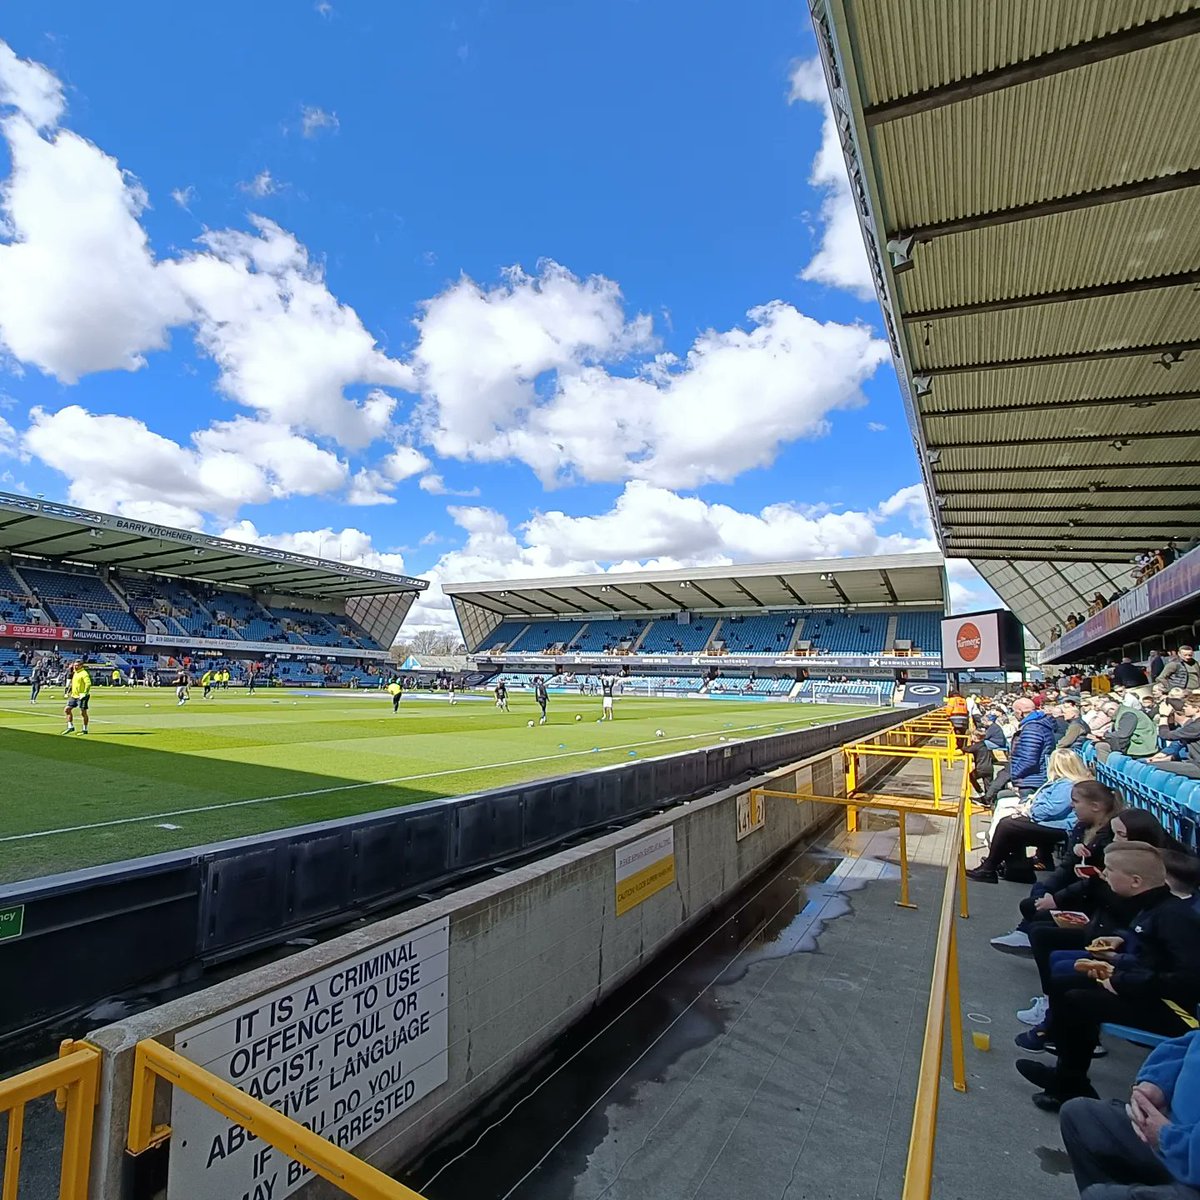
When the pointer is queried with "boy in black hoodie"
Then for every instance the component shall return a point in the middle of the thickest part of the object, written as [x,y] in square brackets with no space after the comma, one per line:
[1149,979]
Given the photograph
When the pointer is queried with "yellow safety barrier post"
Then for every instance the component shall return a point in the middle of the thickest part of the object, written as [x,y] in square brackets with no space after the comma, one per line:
[153,1060]
[74,1080]
[944,998]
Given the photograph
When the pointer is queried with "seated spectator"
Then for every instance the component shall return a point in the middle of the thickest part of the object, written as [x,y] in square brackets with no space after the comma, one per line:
[1040,822]
[1149,979]
[1133,733]
[983,765]
[1088,839]
[1031,746]
[1183,730]
[1183,875]
[1148,1149]
[1075,730]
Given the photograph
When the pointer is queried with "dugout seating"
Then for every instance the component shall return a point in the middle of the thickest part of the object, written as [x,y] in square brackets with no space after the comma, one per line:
[680,685]
[874,691]
[745,686]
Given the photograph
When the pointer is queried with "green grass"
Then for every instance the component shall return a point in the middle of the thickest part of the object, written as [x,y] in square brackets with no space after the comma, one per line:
[238,765]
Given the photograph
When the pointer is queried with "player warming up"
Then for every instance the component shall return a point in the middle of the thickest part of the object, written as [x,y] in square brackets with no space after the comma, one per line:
[35,681]
[606,690]
[501,690]
[396,691]
[541,696]
[182,684]
[79,693]
[206,681]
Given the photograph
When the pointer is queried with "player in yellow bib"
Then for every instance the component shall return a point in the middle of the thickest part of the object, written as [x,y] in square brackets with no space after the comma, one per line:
[397,694]
[79,692]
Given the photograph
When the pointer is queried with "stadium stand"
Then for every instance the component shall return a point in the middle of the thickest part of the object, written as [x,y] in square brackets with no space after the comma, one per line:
[541,636]
[770,633]
[856,633]
[502,635]
[666,636]
[1173,799]
[598,636]
[661,684]
[743,685]
[70,598]
[923,629]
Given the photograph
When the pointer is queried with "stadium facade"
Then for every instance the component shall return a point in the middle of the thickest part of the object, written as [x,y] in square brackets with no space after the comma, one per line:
[776,629]
[89,582]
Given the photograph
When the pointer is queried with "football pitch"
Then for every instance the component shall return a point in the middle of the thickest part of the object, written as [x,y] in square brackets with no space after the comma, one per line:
[152,776]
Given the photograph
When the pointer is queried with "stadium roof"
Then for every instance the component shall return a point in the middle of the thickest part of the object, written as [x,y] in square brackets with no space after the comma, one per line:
[887,580]
[1027,175]
[61,532]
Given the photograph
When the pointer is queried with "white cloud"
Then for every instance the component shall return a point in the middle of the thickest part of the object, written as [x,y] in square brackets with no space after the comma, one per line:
[403,463]
[518,372]
[285,345]
[183,196]
[263,184]
[314,120]
[435,485]
[324,8]
[969,591]
[118,464]
[30,88]
[79,288]
[369,487]
[8,438]
[910,502]
[876,427]
[347,545]
[650,526]
[841,259]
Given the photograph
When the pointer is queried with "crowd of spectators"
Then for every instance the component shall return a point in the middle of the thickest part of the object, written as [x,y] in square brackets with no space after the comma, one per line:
[1110,921]
[1147,564]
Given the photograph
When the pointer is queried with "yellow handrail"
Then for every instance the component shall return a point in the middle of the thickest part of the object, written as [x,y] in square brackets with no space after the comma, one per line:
[355,1177]
[74,1079]
[943,993]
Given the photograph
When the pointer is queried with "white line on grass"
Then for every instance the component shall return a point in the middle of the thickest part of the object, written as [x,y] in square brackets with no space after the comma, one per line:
[350,787]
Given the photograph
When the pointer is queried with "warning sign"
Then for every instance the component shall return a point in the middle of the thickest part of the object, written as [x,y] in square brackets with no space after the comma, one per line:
[751,814]
[342,1052]
[645,867]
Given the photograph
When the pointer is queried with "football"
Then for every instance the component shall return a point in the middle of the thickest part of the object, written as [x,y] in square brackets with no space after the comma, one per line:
[578,717]
[530,724]
[659,733]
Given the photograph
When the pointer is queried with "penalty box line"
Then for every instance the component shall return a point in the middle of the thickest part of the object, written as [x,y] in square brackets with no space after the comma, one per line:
[350,787]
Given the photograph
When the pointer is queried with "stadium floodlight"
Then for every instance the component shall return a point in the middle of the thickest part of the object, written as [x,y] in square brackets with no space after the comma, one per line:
[922,384]
[95,533]
[934,457]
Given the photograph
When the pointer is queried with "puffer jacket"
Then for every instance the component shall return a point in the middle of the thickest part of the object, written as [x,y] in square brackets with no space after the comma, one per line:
[1035,738]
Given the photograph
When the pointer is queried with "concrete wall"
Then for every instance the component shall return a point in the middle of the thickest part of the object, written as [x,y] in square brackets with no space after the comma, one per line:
[530,952]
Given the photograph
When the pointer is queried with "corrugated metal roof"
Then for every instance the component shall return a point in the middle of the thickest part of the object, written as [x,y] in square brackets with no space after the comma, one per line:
[909,46]
[1059,136]
[1035,149]
[1142,238]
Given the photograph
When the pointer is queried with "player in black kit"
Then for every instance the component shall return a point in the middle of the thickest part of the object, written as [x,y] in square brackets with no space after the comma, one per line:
[541,696]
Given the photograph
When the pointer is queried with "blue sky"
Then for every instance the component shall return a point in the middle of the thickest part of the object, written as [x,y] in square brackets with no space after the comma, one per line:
[477,290]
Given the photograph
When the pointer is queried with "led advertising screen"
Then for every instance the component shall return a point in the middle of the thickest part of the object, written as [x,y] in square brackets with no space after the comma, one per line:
[983,641]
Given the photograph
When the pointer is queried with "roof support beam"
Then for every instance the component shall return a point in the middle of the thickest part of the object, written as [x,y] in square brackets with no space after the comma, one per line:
[1102,512]
[558,599]
[1054,360]
[791,591]
[966,533]
[597,600]
[747,593]
[837,587]
[1125,41]
[713,600]
[1096,468]
[671,600]
[1096,291]
[1178,181]
[1061,407]
[887,587]
[1069,527]
[637,604]
[1088,489]
[996,443]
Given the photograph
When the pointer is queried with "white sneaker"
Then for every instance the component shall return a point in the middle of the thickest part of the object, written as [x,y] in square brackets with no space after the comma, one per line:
[1012,941]
[1037,1013]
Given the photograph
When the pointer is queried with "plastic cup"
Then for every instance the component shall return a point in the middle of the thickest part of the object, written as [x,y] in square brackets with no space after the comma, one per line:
[983,1041]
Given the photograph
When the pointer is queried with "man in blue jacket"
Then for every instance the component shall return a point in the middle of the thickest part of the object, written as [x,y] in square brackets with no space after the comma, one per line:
[1148,1149]
[1035,737]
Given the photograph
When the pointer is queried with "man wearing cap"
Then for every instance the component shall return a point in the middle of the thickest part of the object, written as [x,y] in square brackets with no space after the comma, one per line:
[1182,728]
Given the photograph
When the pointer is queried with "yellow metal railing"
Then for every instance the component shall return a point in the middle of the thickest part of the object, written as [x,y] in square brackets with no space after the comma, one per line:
[943,998]
[74,1078]
[154,1061]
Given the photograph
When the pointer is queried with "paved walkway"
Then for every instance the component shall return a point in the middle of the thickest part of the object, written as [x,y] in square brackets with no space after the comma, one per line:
[775,1055]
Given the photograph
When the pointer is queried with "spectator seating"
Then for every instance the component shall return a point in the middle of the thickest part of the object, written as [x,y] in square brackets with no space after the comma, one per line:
[502,634]
[744,685]
[923,629]
[769,633]
[68,596]
[601,635]
[540,635]
[836,633]
[10,663]
[666,636]
[1173,799]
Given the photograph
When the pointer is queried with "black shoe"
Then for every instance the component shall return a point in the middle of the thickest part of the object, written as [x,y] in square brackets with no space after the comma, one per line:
[1040,1074]
[983,875]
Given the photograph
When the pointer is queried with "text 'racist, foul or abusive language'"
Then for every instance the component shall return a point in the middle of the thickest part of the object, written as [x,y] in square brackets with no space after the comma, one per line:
[341,1051]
